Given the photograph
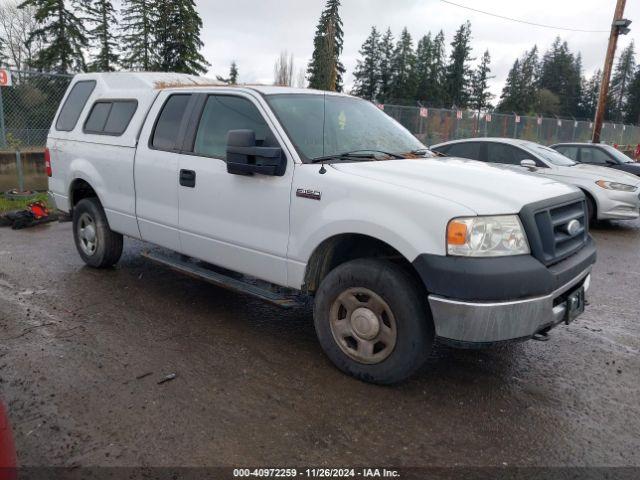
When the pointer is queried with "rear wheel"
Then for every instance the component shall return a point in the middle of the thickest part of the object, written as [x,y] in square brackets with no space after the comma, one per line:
[372,321]
[98,246]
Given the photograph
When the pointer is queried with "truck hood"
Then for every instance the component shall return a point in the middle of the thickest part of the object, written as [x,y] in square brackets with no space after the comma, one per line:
[481,187]
[594,173]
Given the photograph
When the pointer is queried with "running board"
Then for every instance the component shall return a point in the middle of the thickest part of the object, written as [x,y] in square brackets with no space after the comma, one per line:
[221,280]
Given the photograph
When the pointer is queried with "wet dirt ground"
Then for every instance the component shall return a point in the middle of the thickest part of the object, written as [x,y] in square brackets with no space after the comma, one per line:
[82,352]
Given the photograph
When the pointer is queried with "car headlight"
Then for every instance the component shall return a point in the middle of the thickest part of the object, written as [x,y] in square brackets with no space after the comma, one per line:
[494,236]
[622,187]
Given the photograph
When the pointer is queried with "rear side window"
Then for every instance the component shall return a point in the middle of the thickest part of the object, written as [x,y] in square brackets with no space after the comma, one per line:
[469,150]
[165,134]
[74,104]
[110,117]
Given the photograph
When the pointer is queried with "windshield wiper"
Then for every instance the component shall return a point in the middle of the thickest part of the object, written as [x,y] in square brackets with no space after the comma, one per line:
[356,154]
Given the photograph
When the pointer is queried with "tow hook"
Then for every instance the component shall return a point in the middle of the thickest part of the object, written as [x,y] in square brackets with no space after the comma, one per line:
[541,336]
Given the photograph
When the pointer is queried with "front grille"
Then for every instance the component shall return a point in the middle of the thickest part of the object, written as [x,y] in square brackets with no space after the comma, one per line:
[557,239]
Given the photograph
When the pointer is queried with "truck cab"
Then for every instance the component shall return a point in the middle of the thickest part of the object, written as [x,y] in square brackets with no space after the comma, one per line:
[323,195]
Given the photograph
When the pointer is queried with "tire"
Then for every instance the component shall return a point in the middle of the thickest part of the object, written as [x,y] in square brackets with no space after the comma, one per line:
[592,211]
[346,329]
[98,246]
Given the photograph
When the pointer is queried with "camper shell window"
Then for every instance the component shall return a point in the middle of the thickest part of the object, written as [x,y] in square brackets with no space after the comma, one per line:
[74,104]
[110,117]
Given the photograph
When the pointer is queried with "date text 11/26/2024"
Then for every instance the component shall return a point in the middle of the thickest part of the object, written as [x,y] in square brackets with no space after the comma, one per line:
[315,473]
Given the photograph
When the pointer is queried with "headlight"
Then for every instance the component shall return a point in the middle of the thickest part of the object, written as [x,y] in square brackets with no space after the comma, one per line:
[496,236]
[623,187]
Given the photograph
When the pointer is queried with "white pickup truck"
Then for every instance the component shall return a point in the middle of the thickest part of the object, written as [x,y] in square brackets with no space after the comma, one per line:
[321,194]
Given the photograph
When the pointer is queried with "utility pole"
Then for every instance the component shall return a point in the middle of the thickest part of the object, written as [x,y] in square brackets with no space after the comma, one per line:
[619,26]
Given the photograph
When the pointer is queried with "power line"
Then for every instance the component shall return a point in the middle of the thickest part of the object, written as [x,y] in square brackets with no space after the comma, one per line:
[525,21]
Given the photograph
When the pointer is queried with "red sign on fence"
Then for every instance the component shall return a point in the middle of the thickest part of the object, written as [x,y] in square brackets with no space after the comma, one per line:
[5,78]
[424,112]
[487,117]
[517,118]
[459,114]
[380,106]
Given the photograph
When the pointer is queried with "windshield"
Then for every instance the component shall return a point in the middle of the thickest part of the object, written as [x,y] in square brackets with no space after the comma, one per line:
[617,154]
[551,155]
[325,125]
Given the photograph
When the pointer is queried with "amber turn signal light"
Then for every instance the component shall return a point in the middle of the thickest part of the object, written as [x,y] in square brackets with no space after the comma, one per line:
[456,233]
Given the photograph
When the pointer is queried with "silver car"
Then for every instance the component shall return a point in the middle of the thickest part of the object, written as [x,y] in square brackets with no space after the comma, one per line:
[610,194]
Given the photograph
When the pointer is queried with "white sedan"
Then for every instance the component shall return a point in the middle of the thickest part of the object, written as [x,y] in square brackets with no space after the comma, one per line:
[610,194]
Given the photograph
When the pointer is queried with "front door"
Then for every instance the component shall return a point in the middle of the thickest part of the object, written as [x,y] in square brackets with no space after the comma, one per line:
[234,221]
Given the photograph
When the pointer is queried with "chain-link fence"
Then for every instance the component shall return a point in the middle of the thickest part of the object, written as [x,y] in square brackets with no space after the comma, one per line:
[435,125]
[27,108]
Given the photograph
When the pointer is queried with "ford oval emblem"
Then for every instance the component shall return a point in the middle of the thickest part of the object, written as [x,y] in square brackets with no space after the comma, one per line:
[573,227]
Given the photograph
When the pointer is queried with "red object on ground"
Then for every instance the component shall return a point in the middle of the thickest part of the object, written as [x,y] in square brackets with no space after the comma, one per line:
[8,460]
[38,209]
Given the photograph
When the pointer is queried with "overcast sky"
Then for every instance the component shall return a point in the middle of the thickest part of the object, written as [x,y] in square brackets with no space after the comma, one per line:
[253,32]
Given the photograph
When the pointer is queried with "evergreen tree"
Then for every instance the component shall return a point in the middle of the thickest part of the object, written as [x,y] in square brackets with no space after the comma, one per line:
[424,54]
[367,72]
[480,94]
[510,98]
[437,74]
[520,92]
[590,94]
[386,59]
[620,81]
[632,114]
[178,37]
[560,73]
[62,32]
[458,70]
[529,73]
[139,18]
[403,69]
[102,14]
[232,79]
[325,69]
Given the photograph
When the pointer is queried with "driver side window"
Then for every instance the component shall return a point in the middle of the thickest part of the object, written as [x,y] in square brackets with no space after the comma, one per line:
[223,113]
[594,156]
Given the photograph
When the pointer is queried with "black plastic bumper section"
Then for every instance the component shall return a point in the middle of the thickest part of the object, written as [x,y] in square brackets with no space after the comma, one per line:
[499,278]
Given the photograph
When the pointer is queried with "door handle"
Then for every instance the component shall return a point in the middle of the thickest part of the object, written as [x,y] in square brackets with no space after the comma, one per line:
[188,178]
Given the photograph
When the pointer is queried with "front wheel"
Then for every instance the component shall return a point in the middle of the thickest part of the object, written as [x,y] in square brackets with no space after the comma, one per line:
[372,321]
[96,243]
[592,211]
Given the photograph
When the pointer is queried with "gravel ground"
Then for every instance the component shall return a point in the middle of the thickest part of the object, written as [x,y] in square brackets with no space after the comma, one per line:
[82,352]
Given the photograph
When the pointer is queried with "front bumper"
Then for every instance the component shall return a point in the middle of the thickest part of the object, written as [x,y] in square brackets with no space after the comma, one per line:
[615,205]
[480,323]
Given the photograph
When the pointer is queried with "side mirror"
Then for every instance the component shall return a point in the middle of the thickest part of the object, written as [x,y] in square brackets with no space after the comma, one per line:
[245,158]
[530,164]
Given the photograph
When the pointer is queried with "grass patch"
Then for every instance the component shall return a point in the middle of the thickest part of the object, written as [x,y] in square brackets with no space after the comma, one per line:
[7,205]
